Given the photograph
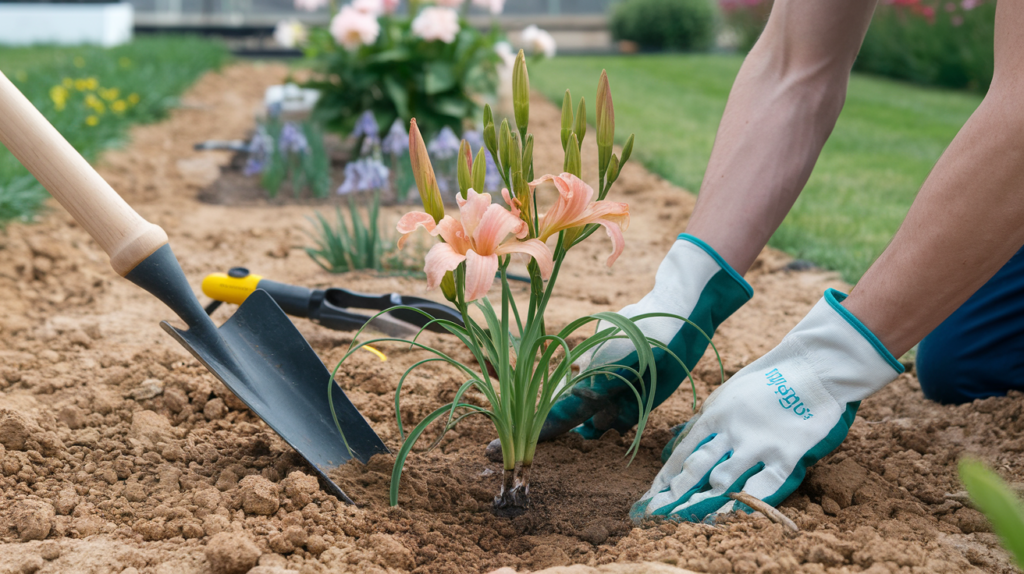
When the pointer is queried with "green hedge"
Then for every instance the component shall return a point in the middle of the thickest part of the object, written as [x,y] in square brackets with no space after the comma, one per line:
[665,24]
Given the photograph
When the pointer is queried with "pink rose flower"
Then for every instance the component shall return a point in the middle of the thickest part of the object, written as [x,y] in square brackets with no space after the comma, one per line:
[435,23]
[352,28]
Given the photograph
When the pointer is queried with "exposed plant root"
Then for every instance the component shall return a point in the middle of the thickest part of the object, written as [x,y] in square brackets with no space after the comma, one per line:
[514,497]
[764,508]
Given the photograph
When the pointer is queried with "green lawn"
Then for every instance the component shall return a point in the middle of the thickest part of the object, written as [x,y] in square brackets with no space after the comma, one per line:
[886,141]
[93,95]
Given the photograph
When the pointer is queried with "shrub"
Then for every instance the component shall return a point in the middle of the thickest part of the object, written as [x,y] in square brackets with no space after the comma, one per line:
[430,64]
[665,24]
[938,43]
[934,42]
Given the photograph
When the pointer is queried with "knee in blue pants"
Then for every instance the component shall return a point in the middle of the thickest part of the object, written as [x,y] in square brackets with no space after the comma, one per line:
[978,351]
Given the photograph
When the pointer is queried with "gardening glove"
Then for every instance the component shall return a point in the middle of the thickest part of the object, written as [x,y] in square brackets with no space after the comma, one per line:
[693,282]
[761,430]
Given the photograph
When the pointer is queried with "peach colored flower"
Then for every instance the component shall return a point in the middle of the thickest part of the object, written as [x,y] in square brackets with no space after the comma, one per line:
[575,207]
[485,232]
[352,28]
[434,23]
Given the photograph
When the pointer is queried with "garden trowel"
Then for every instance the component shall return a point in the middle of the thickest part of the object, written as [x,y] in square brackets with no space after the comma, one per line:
[258,353]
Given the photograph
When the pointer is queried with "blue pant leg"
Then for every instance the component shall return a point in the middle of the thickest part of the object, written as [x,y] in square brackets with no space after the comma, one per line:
[978,351]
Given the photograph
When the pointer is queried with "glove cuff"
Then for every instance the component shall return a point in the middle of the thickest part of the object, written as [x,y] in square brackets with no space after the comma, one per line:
[846,356]
[741,283]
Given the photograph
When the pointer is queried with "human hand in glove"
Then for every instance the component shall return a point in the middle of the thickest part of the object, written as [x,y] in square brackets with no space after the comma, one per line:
[760,430]
[693,282]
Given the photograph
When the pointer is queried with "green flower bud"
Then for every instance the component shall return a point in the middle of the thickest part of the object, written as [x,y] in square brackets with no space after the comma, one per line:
[480,170]
[605,112]
[573,163]
[515,155]
[566,119]
[504,145]
[528,158]
[581,121]
[448,287]
[613,173]
[423,172]
[521,93]
[626,151]
[464,168]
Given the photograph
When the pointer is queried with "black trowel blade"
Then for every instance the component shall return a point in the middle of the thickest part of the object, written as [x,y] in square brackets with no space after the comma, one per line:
[262,358]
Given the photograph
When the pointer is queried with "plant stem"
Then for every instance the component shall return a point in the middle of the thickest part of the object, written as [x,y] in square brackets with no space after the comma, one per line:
[515,488]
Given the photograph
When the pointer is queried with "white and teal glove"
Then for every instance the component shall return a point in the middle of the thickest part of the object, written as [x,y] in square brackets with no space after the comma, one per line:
[693,282]
[782,413]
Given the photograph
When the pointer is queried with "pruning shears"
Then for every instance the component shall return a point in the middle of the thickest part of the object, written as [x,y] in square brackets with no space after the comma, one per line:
[329,307]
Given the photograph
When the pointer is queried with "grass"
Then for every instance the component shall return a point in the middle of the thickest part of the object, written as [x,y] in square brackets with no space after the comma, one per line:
[886,141]
[93,95]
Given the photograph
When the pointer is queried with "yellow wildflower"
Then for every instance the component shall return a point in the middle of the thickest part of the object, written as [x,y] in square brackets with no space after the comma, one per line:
[119,106]
[92,121]
[95,103]
[133,99]
[81,85]
[79,62]
[59,95]
[68,83]
[109,94]
[91,84]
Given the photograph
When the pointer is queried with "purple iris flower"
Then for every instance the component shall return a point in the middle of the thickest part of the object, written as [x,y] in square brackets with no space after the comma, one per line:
[397,140]
[260,148]
[292,140]
[365,174]
[445,145]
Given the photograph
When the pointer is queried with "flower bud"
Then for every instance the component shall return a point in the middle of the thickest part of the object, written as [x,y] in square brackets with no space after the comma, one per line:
[504,145]
[528,158]
[573,163]
[605,124]
[515,155]
[480,171]
[626,151]
[521,93]
[448,288]
[613,173]
[490,138]
[566,119]
[423,172]
[465,168]
[581,121]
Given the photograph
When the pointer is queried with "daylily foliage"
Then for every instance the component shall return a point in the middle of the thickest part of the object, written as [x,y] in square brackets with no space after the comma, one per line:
[529,368]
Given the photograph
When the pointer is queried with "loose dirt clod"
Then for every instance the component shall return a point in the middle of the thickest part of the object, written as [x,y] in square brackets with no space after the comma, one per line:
[231,553]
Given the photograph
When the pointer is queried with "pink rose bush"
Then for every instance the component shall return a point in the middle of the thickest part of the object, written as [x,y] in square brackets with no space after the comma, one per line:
[428,59]
[520,367]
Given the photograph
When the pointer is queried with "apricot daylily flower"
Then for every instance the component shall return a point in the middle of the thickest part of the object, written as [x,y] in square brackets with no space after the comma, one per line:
[575,208]
[484,232]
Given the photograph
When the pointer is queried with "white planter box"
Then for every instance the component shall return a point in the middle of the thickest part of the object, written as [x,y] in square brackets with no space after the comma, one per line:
[23,24]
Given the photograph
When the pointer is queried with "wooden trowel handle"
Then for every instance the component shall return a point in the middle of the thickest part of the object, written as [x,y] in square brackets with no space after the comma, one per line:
[121,232]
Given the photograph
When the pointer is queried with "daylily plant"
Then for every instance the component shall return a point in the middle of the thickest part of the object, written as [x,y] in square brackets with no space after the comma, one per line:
[529,367]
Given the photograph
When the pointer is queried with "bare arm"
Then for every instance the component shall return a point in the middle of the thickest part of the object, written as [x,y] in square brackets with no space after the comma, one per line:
[968,218]
[783,106]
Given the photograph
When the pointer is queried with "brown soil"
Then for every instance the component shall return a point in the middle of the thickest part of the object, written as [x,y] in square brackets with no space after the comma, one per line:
[120,453]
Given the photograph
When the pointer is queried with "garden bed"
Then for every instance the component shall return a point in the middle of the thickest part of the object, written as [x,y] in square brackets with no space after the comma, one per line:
[129,457]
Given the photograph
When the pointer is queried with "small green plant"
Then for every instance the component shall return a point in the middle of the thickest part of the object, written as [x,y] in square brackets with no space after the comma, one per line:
[1000,505]
[352,244]
[20,198]
[290,151]
[521,369]
[665,24]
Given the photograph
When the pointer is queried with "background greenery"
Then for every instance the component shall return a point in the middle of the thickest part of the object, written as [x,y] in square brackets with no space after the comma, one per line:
[665,24]
[886,141]
[155,69]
